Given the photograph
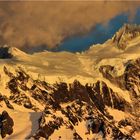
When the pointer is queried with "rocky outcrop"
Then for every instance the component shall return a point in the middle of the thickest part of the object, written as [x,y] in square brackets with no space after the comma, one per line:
[108,72]
[4,54]
[46,129]
[124,123]
[125,34]
[6,124]
[5,99]
[129,80]
[73,101]
[102,95]
[132,77]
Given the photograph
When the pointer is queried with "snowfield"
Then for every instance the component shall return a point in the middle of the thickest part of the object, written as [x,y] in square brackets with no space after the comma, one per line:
[59,67]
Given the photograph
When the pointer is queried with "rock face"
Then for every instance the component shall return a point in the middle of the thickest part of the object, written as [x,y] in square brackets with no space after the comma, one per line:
[129,80]
[5,99]
[69,104]
[4,54]
[6,124]
[125,34]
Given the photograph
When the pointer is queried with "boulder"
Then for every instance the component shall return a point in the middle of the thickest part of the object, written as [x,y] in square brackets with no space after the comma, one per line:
[6,124]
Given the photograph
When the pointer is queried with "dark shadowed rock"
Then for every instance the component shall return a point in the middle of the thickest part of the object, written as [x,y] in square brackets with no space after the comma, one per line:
[125,34]
[4,54]
[6,123]
[7,102]
[28,104]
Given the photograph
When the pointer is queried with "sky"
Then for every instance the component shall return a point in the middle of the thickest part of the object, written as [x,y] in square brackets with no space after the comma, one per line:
[99,34]
[72,26]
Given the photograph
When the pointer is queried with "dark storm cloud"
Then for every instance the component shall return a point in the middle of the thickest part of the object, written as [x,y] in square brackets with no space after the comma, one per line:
[34,24]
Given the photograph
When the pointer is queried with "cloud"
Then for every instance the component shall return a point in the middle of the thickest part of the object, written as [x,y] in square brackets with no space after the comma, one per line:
[27,24]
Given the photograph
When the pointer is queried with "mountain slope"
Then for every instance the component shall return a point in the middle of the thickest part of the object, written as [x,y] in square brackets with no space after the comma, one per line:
[94,94]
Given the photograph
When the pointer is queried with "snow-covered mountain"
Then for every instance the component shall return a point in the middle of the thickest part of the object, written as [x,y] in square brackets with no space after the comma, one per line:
[62,95]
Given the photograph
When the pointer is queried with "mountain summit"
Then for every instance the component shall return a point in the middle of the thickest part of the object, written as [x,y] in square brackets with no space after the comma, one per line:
[127,33]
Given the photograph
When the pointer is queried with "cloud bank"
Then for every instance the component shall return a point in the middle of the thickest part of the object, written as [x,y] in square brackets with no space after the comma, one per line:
[32,24]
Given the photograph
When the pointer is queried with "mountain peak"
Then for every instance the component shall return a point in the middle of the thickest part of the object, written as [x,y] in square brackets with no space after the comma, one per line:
[125,34]
[15,51]
[9,52]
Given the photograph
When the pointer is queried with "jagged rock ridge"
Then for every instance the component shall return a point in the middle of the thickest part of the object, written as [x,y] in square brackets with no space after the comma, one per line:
[125,34]
[75,103]
[106,107]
